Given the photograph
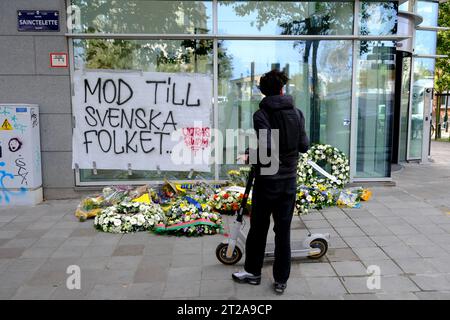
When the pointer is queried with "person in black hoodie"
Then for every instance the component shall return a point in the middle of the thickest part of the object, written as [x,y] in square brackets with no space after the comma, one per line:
[274,190]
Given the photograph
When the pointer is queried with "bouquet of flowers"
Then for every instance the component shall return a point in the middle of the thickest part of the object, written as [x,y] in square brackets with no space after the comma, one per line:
[226,202]
[115,194]
[199,191]
[190,218]
[348,199]
[317,197]
[352,197]
[129,217]
[89,207]
[239,177]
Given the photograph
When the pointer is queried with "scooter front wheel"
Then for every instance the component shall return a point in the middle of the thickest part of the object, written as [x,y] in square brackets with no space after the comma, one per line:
[320,244]
[221,254]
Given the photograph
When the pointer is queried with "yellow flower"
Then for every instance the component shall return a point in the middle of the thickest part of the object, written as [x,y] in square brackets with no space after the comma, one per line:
[366,195]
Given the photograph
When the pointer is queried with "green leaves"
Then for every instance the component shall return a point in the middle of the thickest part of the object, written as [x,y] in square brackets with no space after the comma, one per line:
[442,73]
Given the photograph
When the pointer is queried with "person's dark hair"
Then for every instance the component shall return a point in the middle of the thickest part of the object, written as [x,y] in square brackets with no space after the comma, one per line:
[271,82]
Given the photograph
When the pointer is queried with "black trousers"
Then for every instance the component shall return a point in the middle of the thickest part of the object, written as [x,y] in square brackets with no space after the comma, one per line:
[276,197]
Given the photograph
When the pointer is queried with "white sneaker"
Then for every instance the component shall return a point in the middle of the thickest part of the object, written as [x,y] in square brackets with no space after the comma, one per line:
[246,277]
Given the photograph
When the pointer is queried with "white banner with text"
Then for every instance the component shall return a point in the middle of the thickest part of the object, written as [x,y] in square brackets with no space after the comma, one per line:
[142,120]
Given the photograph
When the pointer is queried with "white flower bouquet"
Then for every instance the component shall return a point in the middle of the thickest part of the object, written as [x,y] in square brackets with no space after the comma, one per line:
[128,217]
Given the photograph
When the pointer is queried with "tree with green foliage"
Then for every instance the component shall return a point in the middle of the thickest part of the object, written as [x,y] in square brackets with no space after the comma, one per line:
[442,68]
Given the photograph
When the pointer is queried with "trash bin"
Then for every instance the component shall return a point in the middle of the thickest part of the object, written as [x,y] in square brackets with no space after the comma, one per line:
[20,155]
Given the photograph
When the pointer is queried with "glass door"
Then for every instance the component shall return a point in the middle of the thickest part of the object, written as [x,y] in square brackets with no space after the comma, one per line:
[402,95]
[423,77]
[404,104]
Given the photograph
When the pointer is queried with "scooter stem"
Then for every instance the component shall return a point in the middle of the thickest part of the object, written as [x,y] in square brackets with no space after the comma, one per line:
[251,176]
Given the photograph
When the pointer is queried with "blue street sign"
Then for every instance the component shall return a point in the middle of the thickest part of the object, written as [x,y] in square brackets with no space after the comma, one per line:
[38,20]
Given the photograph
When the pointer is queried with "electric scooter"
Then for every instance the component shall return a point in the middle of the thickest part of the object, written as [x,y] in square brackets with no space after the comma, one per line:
[231,250]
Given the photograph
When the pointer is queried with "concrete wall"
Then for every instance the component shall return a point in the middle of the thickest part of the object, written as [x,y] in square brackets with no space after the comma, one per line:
[26,77]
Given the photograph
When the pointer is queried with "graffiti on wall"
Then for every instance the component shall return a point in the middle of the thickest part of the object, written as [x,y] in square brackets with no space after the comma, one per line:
[5,193]
[126,118]
[16,162]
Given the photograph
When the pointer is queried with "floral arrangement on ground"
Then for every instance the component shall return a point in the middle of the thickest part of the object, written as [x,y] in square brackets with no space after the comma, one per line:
[318,192]
[128,217]
[225,201]
[323,153]
[191,218]
[318,197]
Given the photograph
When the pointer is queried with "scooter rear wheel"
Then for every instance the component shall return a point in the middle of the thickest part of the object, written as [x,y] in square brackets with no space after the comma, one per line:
[221,254]
[320,244]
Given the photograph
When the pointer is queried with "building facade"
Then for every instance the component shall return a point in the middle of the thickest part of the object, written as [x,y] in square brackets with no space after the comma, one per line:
[358,70]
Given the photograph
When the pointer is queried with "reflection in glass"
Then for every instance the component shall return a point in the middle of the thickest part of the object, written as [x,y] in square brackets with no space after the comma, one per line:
[151,55]
[423,79]
[158,56]
[320,82]
[378,18]
[404,104]
[404,6]
[375,98]
[285,17]
[428,11]
[144,16]
[425,42]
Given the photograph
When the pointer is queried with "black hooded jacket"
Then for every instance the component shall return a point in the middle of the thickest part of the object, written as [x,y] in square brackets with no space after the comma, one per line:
[279,112]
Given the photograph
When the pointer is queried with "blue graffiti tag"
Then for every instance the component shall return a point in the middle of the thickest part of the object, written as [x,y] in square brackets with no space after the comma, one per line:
[5,193]
[20,127]
[5,111]
[17,125]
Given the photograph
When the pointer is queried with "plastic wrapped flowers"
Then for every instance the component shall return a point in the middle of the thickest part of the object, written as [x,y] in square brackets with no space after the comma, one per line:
[128,217]
[187,217]
[238,177]
[91,206]
[352,197]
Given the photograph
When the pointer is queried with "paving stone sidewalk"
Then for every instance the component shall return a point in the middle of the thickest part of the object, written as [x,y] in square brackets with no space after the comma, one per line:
[405,230]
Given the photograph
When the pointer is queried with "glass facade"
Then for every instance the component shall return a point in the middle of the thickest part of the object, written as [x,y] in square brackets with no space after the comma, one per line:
[428,10]
[149,55]
[320,70]
[425,42]
[320,73]
[285,17]
[375,99]
[144,16]
[378,18]
[422,76]
[404,106]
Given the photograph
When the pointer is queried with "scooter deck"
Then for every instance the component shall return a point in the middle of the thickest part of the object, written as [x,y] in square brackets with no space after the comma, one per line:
[295,244]
[297,250]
